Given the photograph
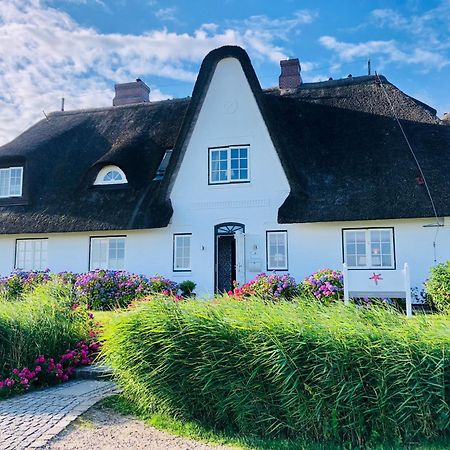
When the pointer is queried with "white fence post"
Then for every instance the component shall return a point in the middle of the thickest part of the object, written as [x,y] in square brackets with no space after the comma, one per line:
[407,290]
[345,276]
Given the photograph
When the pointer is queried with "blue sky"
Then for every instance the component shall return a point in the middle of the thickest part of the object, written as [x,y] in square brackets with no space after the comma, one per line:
[78,49]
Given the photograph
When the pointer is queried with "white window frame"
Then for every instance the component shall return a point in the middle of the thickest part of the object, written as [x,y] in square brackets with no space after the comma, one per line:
[269,234]
[8,171]
[100,180]
[369,265]
[176,255]
[106,263]
[228,150]
[38,250]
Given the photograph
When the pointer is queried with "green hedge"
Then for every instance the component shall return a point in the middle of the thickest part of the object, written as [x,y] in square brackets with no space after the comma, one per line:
[327,373]
[43,322]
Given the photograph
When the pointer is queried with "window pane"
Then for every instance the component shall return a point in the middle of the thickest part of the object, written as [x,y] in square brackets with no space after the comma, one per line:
[182,252]
[4,182]
[277,250]
[229,165]
[116,253]
[381,248]
[15,184]
[355,246]
[99,251]
[31,254]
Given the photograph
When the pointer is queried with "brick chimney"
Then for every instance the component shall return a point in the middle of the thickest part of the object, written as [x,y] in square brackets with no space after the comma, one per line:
[129,93]
[290,77]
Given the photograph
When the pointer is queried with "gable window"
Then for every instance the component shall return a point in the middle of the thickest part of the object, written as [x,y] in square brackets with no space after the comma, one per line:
[229,165]
[277,250]
[107,253]
[182,252]
[110,175]
[31,254]
[11,182]
[369,248]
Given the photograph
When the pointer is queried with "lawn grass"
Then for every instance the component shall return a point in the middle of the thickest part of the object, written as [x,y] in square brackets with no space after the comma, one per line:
[203,433]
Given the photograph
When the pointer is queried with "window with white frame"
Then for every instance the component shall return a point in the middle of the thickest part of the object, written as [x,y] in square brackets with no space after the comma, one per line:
[277,250]
[107,253]
[369,248]
[31,254]
[111,175]
[229,165]
[11,182]
[182,252]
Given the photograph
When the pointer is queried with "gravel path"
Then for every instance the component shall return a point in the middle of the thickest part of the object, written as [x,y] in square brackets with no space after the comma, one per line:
[104,429]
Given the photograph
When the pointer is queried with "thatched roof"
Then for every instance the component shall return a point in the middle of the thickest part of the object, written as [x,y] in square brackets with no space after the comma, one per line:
[341,149]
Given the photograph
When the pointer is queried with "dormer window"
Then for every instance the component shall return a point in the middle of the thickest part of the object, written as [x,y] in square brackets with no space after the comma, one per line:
[11,180]
[110,175]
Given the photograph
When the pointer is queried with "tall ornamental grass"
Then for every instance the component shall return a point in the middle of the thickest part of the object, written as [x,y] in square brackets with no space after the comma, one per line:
[326,373]
[41,323]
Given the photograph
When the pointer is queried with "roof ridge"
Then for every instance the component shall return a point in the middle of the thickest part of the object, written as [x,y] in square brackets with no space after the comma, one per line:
[113,108]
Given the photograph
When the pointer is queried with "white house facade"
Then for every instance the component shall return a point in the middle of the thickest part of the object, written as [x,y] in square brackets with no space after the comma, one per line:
[232,182]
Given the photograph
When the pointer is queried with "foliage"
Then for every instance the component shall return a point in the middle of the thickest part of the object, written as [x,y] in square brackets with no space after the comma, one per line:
[20,282]
[268,287]
[331,373]
[162,285]
[42,322]
[325,285]
[187,288]
[109,289]
[45,370]
[438,286]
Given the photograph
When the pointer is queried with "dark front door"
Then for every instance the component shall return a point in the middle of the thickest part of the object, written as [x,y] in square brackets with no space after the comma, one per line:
[226,262]
[226,255]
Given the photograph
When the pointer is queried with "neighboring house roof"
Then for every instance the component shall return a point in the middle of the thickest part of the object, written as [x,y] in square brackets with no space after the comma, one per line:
[342,162]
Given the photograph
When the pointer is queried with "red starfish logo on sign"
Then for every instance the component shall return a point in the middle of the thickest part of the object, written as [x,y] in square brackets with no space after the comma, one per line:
[376,277]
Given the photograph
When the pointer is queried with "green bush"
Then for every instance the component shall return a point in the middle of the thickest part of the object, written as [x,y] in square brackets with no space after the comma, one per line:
[326,373]
[42,322]
[438,286]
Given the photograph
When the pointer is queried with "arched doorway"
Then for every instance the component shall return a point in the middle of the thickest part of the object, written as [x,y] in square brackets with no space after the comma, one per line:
[225,254]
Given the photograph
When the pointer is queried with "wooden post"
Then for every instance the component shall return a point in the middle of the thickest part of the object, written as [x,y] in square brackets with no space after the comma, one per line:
[345,276]
[407,290]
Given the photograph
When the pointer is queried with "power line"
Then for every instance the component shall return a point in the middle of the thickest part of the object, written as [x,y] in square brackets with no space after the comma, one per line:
[438,224]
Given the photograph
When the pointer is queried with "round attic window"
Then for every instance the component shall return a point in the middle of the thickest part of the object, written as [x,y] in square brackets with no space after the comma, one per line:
[111,175]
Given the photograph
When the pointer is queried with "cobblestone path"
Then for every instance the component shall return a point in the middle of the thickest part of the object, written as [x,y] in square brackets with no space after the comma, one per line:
[32,419]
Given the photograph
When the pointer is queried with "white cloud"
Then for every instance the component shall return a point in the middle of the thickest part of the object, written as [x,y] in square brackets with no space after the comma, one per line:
[46,55]
[431,27]
[167,14]
[386,51]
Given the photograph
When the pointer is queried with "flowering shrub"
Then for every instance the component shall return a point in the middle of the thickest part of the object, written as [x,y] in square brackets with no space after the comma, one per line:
[268,287]
[46,371]
[108,289]
[19,282]
[438,287]
[161,285]
[325,285]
